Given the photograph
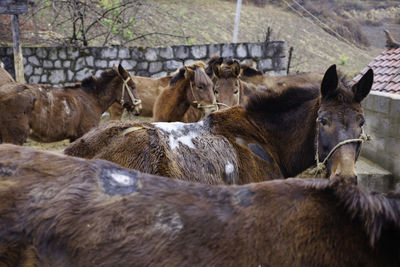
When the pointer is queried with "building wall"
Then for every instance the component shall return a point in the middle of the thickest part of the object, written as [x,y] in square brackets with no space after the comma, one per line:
[61,65]
[383,124]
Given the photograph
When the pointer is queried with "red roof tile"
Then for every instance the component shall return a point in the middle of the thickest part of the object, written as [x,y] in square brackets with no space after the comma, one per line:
[386,69]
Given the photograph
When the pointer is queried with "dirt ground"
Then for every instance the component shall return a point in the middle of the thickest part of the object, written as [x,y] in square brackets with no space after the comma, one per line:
[61,145]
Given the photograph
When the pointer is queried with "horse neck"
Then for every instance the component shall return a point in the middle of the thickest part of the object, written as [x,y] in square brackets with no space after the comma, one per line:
[293,139]
[174,101]
[105,96]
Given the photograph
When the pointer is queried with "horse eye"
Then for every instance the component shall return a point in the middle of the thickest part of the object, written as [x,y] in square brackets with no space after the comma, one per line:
[362,123]
[323,121]
[216,92]
[237,91]
[201,87]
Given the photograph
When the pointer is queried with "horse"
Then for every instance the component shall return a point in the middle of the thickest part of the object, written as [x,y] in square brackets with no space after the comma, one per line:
[148,89]
[190,86]
[65,211]
[52,114]
[276,135]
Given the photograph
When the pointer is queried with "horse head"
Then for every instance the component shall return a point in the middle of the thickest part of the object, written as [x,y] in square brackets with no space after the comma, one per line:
[340,123]
[129,97]
[200,93]
[227,84]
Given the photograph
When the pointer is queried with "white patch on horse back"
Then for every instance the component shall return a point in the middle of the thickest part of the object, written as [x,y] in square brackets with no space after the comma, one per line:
[180,133]
[229,168]
[67,110]
[122,179]
[40,89]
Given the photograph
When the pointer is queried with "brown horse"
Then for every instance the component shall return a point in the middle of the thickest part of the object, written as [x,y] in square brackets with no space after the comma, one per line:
[244,144]
[49,115]
[64,211]
[148,89]
[189,87]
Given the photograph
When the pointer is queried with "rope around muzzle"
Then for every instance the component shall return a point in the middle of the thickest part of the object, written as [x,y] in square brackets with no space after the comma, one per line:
[134,100]
[201,106]
[321,169]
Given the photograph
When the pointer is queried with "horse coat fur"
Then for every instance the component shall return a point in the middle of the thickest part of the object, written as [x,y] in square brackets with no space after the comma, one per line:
[63,211]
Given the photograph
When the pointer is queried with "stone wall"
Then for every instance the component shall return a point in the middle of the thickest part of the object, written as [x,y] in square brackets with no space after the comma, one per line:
[61,65]
[383,124]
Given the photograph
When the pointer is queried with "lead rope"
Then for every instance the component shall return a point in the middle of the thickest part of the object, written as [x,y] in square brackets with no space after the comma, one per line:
[321,166]
[134,100]
[199,106]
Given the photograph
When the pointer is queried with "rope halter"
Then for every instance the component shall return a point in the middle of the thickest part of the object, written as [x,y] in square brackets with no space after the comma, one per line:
[199,105]
[134,100]
[321,166]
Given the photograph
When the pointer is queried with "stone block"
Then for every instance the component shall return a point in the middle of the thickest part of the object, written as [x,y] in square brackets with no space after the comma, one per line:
[275,49]
[98,73]
[52,54]
[199,51]
[278,63]
[28,70]
[128,64]
[155,67]
[189,61]
[137,53]
[265,64]
[62,54]
[181,52]
[159,75]
[24,60]
[34,61]
[214,49]
[255,50]
[47,63]
[79,64]
[67,64]
[142,65]
[82,74]
[57,77]
[38,71]
[57,64]
[114,63]
[227,50]
[43,78]
[172,65]
[71,76]
[26,51]
[151,54]
[101,64]
[10,51]
[124,53]
[34,79]
[89,61]
[166,52]
[241,51]
[41,52]
[109,52]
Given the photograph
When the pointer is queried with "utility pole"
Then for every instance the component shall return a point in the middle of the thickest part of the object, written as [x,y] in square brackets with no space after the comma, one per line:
[237,20]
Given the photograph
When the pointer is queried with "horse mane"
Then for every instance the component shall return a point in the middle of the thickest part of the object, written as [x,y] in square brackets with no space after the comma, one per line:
[249,71]
[181,72]
[377,213]
[90,83]
[273,102]
[215,59]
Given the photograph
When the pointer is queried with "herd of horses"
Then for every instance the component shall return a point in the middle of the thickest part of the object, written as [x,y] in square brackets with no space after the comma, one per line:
[207,182]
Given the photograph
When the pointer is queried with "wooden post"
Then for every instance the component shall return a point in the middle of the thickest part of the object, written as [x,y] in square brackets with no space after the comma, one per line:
[289,60]
[18,63]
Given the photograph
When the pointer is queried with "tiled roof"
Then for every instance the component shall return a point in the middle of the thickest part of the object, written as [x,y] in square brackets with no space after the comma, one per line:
[386,69]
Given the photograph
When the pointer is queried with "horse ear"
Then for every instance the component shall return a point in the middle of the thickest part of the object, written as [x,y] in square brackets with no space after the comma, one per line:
[216,68]
[122,71]
[363,86]
[329,82]
[235,68]
[188,73]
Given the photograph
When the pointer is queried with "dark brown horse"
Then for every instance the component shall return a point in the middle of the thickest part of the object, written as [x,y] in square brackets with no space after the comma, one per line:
[49,115]
[189,87]
[148,89]
[244,144]
[64,211]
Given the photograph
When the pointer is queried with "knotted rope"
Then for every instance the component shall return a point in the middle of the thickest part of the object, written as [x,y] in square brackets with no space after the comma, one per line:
[134,100]
[320,168]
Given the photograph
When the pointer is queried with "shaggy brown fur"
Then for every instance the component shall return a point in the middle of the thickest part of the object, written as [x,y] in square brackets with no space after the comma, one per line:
[49,115]
[65,211]
[148,90]
[189,87]
[274,129]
